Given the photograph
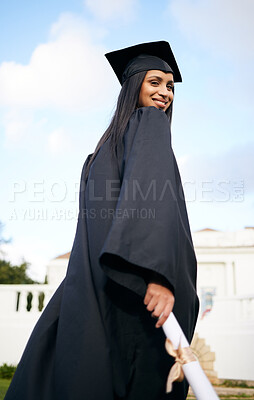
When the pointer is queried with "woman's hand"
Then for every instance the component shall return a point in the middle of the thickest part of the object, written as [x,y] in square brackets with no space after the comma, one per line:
[160,300]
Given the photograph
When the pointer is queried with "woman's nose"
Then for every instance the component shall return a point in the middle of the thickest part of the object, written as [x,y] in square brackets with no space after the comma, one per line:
[163,91]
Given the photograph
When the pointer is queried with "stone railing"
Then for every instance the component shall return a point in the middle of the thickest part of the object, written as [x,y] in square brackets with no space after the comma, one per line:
[24,298]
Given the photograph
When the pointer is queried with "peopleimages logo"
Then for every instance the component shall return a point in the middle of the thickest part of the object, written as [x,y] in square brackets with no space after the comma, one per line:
[59,200]
[153,190]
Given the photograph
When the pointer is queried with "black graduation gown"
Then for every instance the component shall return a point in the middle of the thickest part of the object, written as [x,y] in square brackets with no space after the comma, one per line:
[132,228]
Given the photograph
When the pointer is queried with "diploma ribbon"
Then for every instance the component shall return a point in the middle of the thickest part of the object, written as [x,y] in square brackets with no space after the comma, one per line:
[182,355]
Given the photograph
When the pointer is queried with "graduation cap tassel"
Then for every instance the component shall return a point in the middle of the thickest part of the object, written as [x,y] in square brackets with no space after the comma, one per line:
[179,348]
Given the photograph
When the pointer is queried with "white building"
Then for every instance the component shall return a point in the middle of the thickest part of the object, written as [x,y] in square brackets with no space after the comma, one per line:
[224,339]
[226,287]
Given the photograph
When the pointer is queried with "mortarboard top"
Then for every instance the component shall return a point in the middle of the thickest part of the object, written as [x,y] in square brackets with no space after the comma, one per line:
[120,59]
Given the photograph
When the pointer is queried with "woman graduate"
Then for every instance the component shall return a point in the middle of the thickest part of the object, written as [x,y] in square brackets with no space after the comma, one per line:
[132,255]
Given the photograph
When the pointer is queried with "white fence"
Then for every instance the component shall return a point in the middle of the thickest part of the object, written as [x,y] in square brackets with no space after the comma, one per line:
[20,308]
[24,298]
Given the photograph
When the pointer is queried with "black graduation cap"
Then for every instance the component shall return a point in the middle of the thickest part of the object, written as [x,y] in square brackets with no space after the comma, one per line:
[143,57]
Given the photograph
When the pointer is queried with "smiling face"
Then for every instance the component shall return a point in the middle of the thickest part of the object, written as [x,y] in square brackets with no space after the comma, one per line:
[157,90]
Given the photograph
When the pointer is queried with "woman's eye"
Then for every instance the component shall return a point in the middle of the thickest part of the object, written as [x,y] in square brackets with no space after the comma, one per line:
[170,87]
[154,83]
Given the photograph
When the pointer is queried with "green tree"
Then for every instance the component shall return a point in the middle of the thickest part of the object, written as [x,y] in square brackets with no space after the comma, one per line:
[14,274]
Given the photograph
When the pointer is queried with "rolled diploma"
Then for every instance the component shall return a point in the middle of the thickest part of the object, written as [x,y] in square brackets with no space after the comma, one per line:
[193,372]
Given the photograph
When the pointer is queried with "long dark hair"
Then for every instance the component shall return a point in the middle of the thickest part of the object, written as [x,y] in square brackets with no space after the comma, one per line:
[127,102]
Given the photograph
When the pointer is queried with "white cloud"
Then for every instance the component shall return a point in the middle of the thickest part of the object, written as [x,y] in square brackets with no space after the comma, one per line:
[68,72]
[223,26]
[112,9]
[16,125]
[22,129]
[59,142]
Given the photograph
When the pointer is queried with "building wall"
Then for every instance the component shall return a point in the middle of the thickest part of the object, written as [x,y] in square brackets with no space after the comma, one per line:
[229,331]
[226,291]
[56,271]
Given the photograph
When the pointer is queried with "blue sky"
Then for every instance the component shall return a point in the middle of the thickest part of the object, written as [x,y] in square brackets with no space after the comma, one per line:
[57,95]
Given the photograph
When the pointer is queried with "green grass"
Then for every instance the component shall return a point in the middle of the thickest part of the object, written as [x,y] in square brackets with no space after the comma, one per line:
[4,384]
[235,383]
[230,397]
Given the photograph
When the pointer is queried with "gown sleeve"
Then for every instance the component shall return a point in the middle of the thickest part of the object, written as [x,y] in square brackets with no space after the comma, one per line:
[143,241]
